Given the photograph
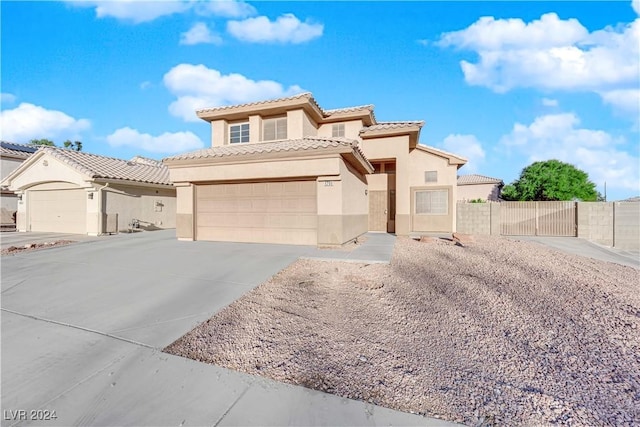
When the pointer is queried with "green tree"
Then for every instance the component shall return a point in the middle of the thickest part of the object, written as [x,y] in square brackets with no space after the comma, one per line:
[42,141]
[76,145]
[551,180]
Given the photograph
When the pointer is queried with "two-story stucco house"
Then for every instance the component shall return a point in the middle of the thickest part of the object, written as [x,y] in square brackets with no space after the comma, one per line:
[288,171]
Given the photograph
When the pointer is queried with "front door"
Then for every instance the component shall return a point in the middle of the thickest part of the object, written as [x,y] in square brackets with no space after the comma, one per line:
[378,210]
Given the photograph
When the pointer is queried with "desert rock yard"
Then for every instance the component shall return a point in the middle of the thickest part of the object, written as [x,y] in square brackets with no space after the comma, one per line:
[495,332]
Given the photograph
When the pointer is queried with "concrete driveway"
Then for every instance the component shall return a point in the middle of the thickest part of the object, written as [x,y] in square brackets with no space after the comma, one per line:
[83,326]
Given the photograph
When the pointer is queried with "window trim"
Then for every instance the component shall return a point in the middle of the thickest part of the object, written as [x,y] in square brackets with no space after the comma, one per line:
[240,133]
[445,190]
[427,174]
[341,129]
[276,122]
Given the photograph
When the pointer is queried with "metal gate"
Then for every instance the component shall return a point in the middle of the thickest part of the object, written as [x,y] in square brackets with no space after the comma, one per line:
[538,219]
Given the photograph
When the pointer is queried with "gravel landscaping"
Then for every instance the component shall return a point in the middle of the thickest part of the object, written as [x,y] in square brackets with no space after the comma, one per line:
[494,331]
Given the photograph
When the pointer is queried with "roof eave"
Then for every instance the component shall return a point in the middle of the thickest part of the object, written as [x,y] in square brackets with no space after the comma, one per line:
[264,109]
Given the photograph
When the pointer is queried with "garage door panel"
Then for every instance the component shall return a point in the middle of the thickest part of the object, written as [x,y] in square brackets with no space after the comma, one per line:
[277,212]
[58,211]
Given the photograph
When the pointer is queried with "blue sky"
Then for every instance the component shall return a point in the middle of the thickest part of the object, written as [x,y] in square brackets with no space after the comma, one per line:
[500,83]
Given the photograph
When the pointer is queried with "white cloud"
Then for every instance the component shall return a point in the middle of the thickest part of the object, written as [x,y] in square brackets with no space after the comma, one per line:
[635,4]
[199,33]
[138,11]
[7,98]
[285,29]
[28,121]
[600,154]
[165,143]
[624,100]
[549,102]
[549,54]
[467,146]
[226,8]
[197,86]
[135,11]
[145,85]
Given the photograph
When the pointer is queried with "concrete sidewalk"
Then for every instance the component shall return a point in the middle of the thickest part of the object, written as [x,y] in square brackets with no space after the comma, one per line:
[375,248]
[577,246]
[83,327]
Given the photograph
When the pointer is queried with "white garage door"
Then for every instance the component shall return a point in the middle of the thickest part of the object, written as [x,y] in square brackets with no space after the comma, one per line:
[263,212]
[58,211]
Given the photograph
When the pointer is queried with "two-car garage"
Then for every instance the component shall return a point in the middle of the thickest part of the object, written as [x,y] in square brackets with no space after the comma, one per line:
[310,191]
[274,212]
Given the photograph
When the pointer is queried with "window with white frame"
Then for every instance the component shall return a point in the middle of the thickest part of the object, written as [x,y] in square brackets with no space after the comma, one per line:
[432,202]
[274,129]
[337,130]
[239,133]
[431,176]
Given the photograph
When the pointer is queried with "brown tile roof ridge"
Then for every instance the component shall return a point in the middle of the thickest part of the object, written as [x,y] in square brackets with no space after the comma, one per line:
[368,107]
[307,95]
[305,143]
[394,125]
[97,166]
[477,179]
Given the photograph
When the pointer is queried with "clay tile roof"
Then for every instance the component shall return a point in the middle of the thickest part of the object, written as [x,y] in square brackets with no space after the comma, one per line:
[95,166]
[393,125]
[302,95]
[477,179]
[21,151]
[348,109]
[291,145]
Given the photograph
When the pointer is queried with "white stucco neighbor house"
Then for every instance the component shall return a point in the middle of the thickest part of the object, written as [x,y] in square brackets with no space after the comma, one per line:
[474,187]
[11,156]
[288,171]
[68,191]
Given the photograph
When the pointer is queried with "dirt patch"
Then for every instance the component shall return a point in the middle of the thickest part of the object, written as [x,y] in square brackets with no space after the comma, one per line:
[11,250]
[501,332]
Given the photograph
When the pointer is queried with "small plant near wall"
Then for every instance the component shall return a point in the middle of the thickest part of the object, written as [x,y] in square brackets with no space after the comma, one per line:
[478,200]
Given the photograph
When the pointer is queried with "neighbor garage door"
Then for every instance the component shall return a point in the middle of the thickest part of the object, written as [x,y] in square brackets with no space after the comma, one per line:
[59,211]
[264,212]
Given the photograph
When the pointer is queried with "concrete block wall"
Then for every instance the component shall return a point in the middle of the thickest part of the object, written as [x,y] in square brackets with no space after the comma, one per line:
[474,218]
[614,224]
[626,225]
[595,222]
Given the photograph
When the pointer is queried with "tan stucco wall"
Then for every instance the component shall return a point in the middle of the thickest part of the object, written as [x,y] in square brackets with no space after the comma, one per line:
[219,133]
[309,127]
[487,192]
[257,170]
[351,129]
[55,170]
[131,202]
[410,168]
[343,206]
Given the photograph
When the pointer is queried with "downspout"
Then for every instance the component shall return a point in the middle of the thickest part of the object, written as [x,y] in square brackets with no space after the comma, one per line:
[103,226]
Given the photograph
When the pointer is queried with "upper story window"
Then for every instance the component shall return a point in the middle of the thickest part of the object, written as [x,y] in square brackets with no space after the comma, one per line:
[431,176]
[337,129]
[239,133]
[274,129]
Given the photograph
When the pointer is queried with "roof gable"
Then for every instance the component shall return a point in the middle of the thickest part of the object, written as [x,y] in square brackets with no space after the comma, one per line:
[477,179]
[96,167]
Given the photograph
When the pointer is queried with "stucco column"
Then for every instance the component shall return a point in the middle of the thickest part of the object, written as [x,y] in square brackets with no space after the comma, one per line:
[329,193]
[21,212]
[185,221]
[94,216]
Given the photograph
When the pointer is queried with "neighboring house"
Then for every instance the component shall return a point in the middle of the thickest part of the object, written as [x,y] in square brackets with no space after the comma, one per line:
[11,156]
[70,191]
[473,187]
[287,171]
